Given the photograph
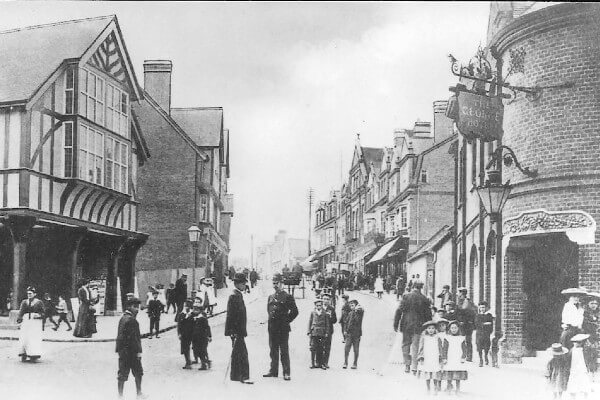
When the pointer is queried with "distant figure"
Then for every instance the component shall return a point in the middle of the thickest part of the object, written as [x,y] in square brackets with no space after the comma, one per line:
[235,328]
[185,326]
[201,336]
[344,314]
[49,311]
[62,313]
[155,309]
[253,278]
[330,311]
[129,347]
[30,317]
[318,330]
[85,325]
[180,292]
[378,286]
[170,295]
[445,296]
[353,332]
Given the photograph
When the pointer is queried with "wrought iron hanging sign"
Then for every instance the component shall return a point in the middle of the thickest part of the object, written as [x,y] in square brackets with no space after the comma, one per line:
[476,116]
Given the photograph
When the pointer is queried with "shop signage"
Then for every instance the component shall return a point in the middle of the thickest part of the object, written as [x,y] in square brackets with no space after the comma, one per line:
[477,116]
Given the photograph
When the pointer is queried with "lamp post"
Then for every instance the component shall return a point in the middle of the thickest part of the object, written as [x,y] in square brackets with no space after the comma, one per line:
[194,235]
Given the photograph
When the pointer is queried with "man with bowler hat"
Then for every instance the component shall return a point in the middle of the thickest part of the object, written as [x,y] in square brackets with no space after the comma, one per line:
[129,347]
[282,310]
[235,327]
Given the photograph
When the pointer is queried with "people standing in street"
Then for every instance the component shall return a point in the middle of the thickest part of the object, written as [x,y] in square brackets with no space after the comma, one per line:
[430,356]
[180,293]
[170,295]
[318,330]
[572,315]
[207,294]
[557,369]
[579,378]
[281,309]
[31,314]
[344,315]
[235,328]
[201,336]
[466,317]
[62,313]
[185,326]
[484,326]
[353,332]
[155,309]
[455,354]
[85,325]
[330,311]
[378,286]
[445,296]
[253,278]
[414,310]
[400,284]
[129,348]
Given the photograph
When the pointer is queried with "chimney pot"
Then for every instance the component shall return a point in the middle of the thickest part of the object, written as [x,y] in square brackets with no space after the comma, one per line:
[157,82]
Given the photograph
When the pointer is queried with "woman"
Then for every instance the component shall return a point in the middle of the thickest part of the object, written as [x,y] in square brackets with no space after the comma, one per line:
[31,314]
[572,315]
[378,286]
[591,326]
[85,325]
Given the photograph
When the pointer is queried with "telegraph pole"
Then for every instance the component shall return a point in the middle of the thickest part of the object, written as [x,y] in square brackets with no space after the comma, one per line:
[311,194]
[251,251]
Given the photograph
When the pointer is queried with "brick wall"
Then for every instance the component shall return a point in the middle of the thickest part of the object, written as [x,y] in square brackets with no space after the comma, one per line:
[513,299]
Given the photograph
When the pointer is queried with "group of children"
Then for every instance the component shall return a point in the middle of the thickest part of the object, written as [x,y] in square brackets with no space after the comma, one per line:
[194,331]
[568,370]
[443,349]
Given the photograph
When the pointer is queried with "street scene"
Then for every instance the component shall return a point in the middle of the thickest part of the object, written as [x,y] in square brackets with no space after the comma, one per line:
[285,200]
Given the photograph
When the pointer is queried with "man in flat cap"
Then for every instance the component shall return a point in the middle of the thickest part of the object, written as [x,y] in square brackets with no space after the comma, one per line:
[235,327]
[129,347]
[282,310]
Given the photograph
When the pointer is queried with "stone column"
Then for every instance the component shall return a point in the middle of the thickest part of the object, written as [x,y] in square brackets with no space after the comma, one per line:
[20,230]
[110,303]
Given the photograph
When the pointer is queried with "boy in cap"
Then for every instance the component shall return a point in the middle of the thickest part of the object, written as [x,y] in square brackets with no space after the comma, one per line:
[484,327]
[129,347]
[330,311]
[353,332]
[344,316]
[155,308]
[201,336]
[557,369]
[318,330]
[185,327]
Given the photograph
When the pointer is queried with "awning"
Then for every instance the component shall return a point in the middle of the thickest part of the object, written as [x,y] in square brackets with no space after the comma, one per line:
[391,248]
[323,252]
[308,263]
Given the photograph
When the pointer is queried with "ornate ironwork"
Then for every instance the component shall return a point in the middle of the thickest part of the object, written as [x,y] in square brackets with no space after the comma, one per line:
[508,157]
[516,61]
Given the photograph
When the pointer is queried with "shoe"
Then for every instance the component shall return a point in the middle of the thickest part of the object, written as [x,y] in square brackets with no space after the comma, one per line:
[141,396]
[353,367]
[270,375]
[55,328]
[70,329]
[157,336]
[326,366]
[286,378]
[247,381]
[313,366]
[481,363]
[407,369]
[203,368]
[323,367]
[150,337]
[345,366]
[195,362]
[187,366]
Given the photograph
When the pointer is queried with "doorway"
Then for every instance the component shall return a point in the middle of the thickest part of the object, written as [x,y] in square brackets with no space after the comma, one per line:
[549,266]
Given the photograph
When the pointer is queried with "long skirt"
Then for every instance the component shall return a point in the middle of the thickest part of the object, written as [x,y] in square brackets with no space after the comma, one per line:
[30,337]
[240,366]
[86,322]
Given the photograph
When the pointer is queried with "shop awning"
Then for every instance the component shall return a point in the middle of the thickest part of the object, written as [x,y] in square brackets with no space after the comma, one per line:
[308,263]
[391,248]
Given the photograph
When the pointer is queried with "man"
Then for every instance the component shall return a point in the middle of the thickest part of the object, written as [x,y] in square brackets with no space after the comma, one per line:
[450,311]
[344,316]
[129,347]
[484,326]
[171,298]
[353,332]
[399,287]
[329,309]
[155,308]
[341,283]
[414,310]
[466,317]
[282,310]
[185,328]
[253,278]
[235,327]
[445,296]
[180,292]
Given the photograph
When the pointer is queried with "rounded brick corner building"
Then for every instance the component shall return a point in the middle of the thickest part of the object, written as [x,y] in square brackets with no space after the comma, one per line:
[549,240]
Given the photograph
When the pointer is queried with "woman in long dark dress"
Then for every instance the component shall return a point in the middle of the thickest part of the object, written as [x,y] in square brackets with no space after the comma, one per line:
[85,326]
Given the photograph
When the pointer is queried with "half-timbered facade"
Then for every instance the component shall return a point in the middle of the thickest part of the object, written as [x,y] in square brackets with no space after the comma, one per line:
[69,156]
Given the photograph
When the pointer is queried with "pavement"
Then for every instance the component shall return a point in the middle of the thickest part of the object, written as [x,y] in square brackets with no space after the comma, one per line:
[107,325]
[72,370]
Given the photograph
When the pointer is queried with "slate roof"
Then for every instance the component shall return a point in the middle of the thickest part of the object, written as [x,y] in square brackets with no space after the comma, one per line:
[203,124]
[29,56]
[433,243]
[374,155]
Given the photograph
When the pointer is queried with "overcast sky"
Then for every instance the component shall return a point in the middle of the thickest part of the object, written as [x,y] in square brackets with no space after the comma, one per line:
[297,81]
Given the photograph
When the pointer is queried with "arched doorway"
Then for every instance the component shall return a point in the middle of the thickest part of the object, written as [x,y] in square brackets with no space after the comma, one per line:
[490,259]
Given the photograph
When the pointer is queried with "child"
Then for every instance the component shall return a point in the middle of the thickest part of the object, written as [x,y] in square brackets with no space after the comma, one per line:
[579,376]
[49,310]
[484,328]
[318,329]
[201,336]
[430,355]
[185,326]
[155,308]
[497,338]
[557,369]
[62,313]
[170,294]
[442,328]
[455,353]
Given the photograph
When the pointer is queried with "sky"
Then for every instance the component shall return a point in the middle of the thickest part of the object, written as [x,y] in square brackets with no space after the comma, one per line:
[297,82]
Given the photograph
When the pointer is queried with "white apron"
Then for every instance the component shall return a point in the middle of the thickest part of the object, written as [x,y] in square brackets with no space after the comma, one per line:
[30,337]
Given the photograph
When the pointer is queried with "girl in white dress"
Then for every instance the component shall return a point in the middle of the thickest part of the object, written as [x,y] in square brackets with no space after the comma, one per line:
[455,354]
[430,355]
[579,377]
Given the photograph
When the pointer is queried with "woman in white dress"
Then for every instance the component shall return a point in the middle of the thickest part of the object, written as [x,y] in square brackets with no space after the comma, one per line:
[430,355]
[378,286]
[31,314]
[455,350]
[580,380]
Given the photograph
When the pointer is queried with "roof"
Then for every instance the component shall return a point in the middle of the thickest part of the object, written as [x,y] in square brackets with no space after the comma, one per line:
[37,51]
[372,155]
[433,243]
[203,124]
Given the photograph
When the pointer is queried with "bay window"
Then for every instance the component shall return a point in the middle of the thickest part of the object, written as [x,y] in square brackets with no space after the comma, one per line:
[403,217]
[68,150]
[117,162]
[91,155]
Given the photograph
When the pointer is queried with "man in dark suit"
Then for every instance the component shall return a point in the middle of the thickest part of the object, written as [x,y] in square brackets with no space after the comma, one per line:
[282,310]
[129,347]
[414,310]
[235,327]
[329,310]
[180,293]
[353,332]
[155,308]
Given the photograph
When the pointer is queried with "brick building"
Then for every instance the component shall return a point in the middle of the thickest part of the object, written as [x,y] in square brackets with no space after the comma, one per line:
[546,238]
[187,185]
[69,161]
[326,231]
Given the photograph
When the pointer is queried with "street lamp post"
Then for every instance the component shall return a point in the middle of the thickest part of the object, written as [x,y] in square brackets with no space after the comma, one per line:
[194,235]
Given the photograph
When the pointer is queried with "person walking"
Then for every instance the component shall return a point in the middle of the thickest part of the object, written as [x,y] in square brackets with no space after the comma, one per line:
[235,328]
[466,317]
[378,286]
[155,309]
[281,309]
[49,311]
[129,348]
[330,311]
[31,314]
[84,326]
[185,326]
[201,336]
[180,294]
[62,313]
[400,285]
[344,315]
[253,278]
[353,332]
[170,295]
[414,311]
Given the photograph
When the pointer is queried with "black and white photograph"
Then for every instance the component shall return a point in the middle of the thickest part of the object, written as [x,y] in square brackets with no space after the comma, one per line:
[294,200]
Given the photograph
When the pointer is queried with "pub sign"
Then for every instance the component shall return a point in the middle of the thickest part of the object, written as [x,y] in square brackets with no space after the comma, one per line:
[477,116]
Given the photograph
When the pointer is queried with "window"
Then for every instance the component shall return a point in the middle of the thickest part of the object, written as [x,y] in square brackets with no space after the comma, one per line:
[68,150]
[91,97]
[70,91]
[382,221]
[424,176]
[117,110]
[403,217]
[204,208]
[117,162]
[392,226]
[91,155]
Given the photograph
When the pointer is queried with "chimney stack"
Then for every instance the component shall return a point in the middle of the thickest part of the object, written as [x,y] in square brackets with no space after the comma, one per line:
[157,82]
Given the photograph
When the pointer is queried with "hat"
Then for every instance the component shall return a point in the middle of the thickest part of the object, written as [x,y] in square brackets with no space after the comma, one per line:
[557,348]
[318,301]
[450,302]
[580,337]
[130,295]
[240,278]
[453,322]
[277,278]
[574,291]
[442,321]
[326,295]
[132,301]
[446,287]
[463,289]
[31,289]
[593,296]
[429,323]
[345,296]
